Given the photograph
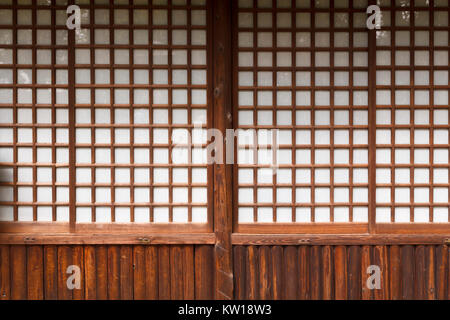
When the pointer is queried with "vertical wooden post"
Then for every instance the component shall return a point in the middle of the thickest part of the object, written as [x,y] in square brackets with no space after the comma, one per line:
[223,173]
[72,158]
[372,126]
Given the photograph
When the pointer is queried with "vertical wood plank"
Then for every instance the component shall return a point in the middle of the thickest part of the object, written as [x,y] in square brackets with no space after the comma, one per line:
[395,279]
[340,272]
[113,279]
[407,272]
[314,276]
[50,273]
[430,275]
[327,273]
[126,273]
[78,260]
[151,273]
[176,273]
[448,272]
[64,261]
[101,260]
[164,272]
[223,173]
[419,281]
[380,258]
[18,272]
[276,272]
[252,281]
[5,284]
[366,261]
[354,276]
[188,273]
[303,272]
[264,273]
[204,281]
[290,273]
[239,261]
[441,272]
[139,275]
[35,273]
[90,273]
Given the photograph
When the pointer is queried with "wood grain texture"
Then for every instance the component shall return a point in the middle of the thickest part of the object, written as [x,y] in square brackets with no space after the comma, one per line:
[204,282]
[5,283]
[64,261]
[223,172]
[366,261]
[18,269]
[90,273]
[260,272]
[380,258]
[35,273]
[151,273]
[341,272]
[306,272]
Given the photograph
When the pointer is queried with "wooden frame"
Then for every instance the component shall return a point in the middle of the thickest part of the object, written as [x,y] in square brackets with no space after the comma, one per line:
[72,85]
[372,226]
[222,71]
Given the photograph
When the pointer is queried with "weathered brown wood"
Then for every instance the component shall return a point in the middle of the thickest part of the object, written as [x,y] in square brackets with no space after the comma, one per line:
[239,261]
[50,273]
[430,273]
[448,273]
[290,273]
[223,173]
[380,258]
[151,273]
[204,272]
[265,281]
[139,275]
[441,272]
[276,272]
[407,272]
[314,280]
[327,273]
[176,273]
[126,273]
[252,266]
[90,273]
[395,279]
[101,260]
[366,261]
[78,260]
[419,276]
[334,239]
[340,272]
[354,269]
[18,272]
[35,273]
[64,261]
[113,272]
[164,273]
[5,284]
[124,237]
[188,273]
[304,272]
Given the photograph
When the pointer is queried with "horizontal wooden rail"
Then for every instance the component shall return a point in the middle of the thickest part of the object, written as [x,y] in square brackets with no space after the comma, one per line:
[76,239]
[343,239]
[210,239]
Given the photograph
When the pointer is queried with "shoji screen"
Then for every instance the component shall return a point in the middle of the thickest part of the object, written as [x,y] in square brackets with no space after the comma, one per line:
[412,119]
[302,69]
[141,91]
[34,152]
[127,93]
